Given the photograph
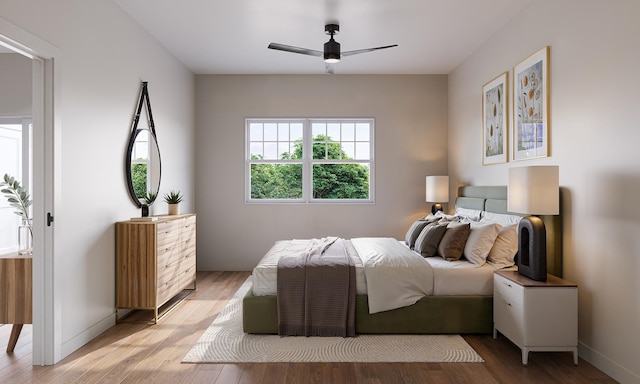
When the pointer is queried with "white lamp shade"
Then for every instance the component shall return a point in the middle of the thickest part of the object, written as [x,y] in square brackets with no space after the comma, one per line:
[437,189]
[534,190]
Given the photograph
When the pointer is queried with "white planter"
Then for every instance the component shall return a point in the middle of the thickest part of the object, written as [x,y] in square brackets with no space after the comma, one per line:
[174,209]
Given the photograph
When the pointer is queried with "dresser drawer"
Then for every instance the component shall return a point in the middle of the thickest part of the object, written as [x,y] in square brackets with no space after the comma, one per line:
[509,290]
[165,272]
[171,287]
[170,232]
[170,254]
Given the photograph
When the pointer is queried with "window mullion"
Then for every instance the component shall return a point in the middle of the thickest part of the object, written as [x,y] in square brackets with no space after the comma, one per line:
[307,154]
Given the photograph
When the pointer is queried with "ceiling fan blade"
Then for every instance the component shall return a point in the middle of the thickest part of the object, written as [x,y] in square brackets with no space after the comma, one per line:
[330,68]
[350,53]
[290,48]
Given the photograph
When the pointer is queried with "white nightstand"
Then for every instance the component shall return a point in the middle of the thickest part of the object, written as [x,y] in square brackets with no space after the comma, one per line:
[536,315]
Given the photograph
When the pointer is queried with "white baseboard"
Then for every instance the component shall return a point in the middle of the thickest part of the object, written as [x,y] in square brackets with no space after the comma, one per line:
[606,365]
[83,338]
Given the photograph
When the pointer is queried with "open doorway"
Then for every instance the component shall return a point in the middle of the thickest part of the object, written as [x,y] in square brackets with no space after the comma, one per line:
[16,102]
[37,170]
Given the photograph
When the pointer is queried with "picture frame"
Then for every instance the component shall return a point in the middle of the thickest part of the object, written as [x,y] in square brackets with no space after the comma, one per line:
[495,120]
[531,107]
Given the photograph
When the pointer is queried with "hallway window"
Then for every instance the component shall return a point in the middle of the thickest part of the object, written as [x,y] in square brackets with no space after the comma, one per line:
[15,155]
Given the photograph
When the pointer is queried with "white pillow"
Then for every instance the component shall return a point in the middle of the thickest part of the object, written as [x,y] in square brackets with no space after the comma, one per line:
[430,218]
[501,218]
[466,213]
[480,241]
[505,247]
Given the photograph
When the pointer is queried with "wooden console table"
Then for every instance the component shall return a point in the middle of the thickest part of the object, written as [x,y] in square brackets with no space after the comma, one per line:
[15,294]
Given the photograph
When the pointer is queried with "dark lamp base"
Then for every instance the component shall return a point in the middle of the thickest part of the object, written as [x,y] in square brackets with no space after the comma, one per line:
[532,248]
[435,208]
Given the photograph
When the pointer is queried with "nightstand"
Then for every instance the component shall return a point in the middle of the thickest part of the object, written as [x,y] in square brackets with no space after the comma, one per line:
[536,315]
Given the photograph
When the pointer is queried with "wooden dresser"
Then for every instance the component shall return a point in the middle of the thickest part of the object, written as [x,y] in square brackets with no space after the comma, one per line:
[155,260]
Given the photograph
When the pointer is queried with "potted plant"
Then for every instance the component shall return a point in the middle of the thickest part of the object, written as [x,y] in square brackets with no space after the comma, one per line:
[148,199]
[18,197]
[173,199]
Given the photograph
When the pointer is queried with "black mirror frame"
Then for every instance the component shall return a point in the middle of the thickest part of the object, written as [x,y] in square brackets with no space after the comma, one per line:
[144,97]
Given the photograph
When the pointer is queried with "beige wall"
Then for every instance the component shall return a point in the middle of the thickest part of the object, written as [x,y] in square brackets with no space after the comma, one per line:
[410,143]
[594,59]
[104,57]
[15,91]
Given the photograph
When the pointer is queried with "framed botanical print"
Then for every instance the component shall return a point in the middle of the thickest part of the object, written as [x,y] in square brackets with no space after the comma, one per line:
[531,107]
[494,121]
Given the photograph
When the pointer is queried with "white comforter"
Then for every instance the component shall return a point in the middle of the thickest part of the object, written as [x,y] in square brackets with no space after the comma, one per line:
[388,272]
[395,276]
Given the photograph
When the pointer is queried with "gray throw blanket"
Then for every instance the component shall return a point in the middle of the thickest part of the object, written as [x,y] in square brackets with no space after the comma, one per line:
[317,290]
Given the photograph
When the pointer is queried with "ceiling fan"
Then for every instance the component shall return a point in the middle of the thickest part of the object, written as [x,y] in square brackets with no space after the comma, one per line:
[331,52]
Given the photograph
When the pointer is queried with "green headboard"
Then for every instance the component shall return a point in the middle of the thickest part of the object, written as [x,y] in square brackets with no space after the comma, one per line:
[494,199]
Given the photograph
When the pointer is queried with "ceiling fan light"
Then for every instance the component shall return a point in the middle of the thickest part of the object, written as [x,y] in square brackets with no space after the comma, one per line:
[331,51]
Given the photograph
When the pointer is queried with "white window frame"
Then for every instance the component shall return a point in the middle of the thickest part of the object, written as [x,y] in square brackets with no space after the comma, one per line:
[308,162]
[24,140]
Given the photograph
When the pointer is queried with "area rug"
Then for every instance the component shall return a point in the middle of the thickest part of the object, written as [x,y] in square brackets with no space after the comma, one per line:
[224,342]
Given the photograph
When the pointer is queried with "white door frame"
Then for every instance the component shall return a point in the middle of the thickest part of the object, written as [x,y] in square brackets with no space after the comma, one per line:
[47,306]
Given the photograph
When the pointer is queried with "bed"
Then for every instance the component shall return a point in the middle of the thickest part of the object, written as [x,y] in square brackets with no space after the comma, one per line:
[448,312]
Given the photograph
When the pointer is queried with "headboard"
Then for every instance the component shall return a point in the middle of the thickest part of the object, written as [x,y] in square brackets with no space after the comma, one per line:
[494,199]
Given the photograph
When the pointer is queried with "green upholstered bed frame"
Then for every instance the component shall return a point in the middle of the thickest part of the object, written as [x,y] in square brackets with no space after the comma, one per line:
[431,314]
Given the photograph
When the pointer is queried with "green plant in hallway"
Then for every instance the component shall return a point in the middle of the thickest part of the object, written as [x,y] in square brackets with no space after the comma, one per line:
[18,198]
[16,195]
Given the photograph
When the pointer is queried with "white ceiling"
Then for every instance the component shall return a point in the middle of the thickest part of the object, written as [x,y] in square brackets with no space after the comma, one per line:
[231,36]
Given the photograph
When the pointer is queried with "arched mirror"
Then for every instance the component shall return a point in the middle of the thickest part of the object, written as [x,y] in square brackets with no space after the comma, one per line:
[143,166]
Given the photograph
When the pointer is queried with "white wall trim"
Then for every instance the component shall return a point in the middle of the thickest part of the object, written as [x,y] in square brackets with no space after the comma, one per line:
[83,338]
[603,363]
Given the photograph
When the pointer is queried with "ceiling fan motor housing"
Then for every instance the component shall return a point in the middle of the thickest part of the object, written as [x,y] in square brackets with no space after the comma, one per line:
[331,51]
[331,47]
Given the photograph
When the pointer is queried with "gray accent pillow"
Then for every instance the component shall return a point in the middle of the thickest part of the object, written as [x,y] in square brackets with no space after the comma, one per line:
[429,239]
[414,232]
[452,244]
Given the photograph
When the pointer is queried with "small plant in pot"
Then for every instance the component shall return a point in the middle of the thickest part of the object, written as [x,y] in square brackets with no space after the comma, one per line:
[173,199]
[148,200]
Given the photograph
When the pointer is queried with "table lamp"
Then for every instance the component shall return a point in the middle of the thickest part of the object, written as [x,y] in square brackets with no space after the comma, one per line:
[533,190]
[437,191]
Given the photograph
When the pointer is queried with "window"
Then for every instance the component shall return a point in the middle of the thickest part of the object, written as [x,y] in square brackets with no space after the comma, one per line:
[309,160]
[15,159]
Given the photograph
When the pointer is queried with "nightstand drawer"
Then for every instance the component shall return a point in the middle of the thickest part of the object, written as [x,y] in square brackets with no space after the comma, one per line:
[508,318]
[508,289]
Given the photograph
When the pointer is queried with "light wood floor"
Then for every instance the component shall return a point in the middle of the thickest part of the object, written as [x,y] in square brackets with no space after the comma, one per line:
[142,353]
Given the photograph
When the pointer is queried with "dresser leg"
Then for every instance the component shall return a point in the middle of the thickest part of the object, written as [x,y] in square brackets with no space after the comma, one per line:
[13,338]
[575,355]
[525,356]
